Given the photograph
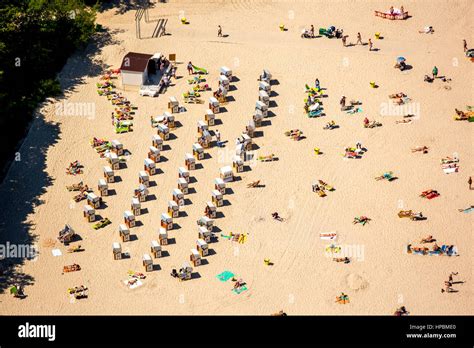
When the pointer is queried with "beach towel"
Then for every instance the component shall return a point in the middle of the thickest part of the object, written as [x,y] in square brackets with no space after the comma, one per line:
[226,236]
[354,111]
[468,210]
[450,170]
[133,286]
[328,236]
[333,248]
[225,276]
[240,290]
[56,252]
[242,238]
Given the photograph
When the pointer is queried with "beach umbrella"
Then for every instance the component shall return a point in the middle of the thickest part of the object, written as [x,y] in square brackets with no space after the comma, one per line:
[401,59]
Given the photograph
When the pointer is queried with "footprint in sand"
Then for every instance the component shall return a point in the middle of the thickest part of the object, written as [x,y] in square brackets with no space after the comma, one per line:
[356,282]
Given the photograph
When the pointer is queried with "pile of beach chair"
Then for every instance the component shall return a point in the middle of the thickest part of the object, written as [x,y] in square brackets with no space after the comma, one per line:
[122,116]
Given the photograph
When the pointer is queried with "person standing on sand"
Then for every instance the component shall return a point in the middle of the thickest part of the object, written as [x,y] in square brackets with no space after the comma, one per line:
[344,40]
[470,183]
[359,39]
[190,68]
[465,45]
[370,45]
[316,83]
[219,31]
[435,72]
[342,102]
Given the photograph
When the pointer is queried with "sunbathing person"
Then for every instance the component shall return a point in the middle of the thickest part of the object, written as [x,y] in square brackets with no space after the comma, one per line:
[342,259]
[436,247]
[428,239]
[397,95]
[403,121]
[401,311]
[423,149]
[427,30]
[239,283]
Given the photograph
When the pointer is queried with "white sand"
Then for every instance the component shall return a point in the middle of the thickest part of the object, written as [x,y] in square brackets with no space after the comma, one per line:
[303,280]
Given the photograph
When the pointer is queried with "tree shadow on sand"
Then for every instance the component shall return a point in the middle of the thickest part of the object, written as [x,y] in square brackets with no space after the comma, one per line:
[123,6]
[26,181]
[87,63]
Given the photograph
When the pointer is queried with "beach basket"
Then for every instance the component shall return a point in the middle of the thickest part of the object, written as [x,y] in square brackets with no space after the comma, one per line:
[316,150]
[377,36]
[282,27]
[372,84]
[184,20]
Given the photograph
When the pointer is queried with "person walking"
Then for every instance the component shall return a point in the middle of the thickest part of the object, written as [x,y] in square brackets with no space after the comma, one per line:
[370,45]
[344,40]
[190,68]
[219,31]
[359,39]
[435,72]
[470,183]
[465,45]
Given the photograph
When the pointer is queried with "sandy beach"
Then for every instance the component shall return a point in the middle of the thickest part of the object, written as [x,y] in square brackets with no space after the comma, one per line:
[303,279]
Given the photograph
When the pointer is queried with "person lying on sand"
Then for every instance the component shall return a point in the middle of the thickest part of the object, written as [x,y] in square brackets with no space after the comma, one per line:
[397,95]
[239,283]
[423,149]
[403,121]
[427,30]
[342,259]
[401,311]
[428,239]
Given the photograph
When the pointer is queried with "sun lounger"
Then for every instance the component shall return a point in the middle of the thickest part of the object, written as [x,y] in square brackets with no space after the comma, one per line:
[268,158]
[200,70]
[78,292]
[325,185]
[101,224]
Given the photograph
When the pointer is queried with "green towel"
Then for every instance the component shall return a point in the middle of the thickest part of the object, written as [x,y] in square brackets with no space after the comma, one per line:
[225,276]
[240,290]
